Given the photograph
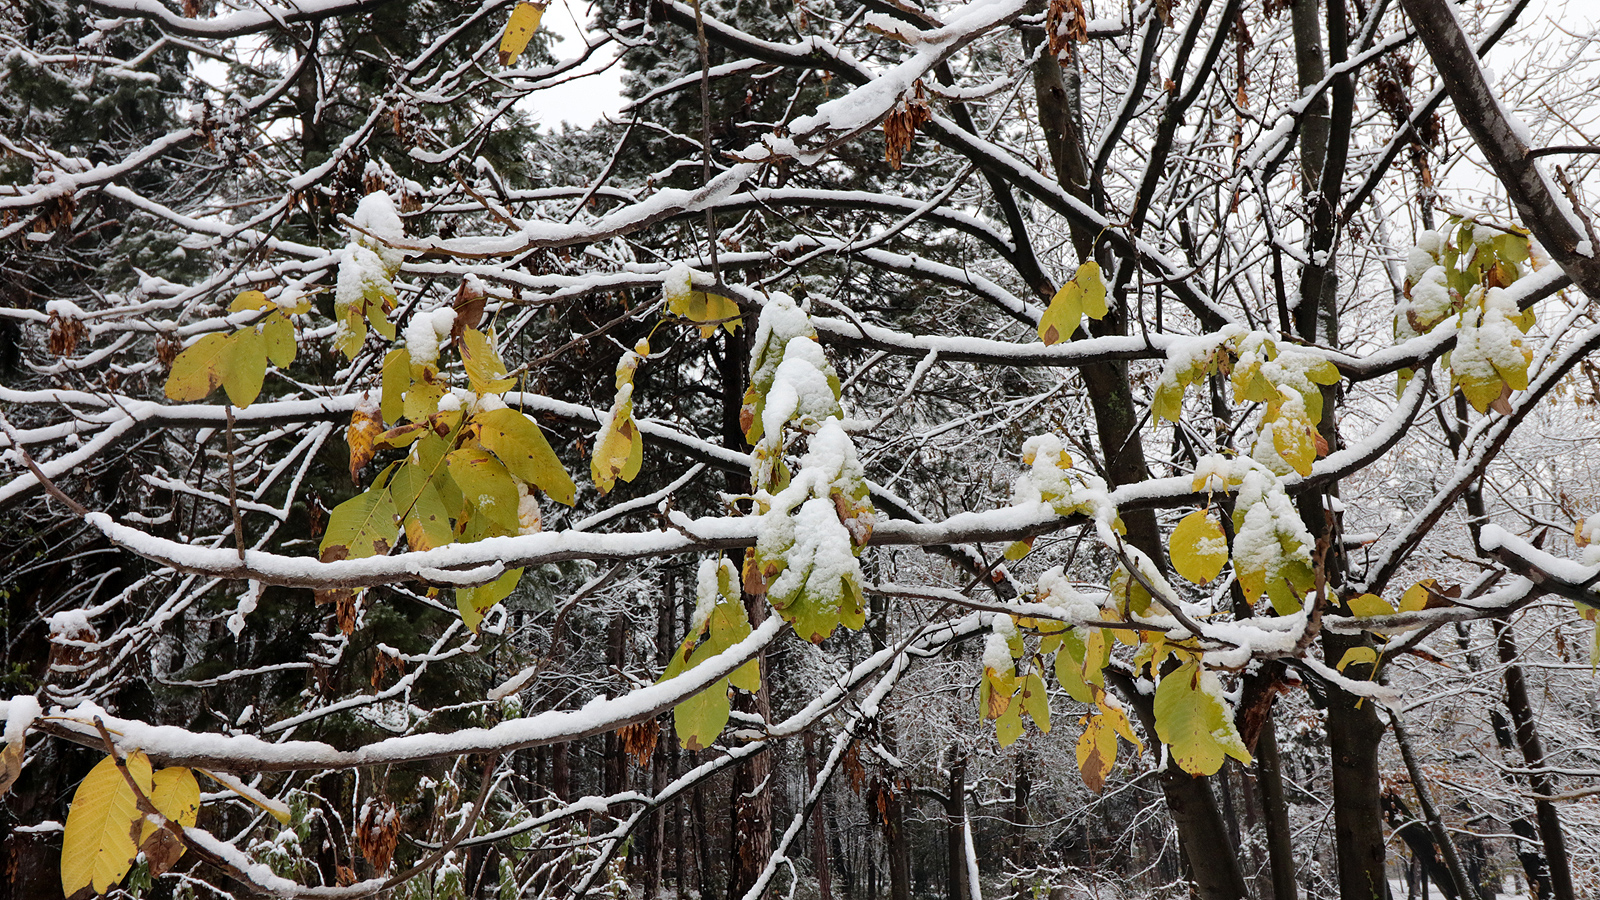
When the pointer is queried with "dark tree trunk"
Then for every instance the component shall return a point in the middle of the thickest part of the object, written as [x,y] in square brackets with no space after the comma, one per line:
[1275,813]
[1527,736]
[955,814]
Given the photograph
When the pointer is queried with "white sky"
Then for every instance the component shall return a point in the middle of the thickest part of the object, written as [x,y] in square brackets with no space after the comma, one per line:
[584,100]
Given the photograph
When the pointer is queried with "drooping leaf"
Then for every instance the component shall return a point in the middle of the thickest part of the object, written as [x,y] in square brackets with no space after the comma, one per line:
[486,486]
[486,374]
[473,602]
[521,446]
[277,333]
[519,31]
[196,371]
[1008,727]
[396,379]
[618,451]
[97,847]
[244,366]
[366,424]
[1194,722]
[1060,319]
[1097,751]
[1036,701]
[176,795]
[421,508]
[1199,548]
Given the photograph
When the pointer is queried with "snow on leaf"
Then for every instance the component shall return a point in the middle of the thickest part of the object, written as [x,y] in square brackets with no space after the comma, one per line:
[1198,547]
[1194,722]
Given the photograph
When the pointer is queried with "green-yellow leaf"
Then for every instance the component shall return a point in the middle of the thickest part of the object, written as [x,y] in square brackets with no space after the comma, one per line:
[486,486]
[521,445]
[1069,666]
[396,381]
[1194,723]
[519,31]
[360,527]
[244,366]
[473,602]
[1168,401]
[1018,549]
[421,508]
[1060,319]
[1036,701]
[278,335]
[97,847]
[708,311]
[485,372]
[618,451]
[1008,727]
[196,371]
[1199,548]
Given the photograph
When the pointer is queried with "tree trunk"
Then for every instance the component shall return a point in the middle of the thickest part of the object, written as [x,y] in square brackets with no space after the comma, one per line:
[1527,735]
[1354,732]
[1275,813]
[819,828]
[955,813]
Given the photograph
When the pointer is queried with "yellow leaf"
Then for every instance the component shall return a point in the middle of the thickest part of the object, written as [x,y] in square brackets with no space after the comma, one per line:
[485,372]
[1097,751]
[1093,285]
[1368,605]
[195,371]
[521,445]
[1199,549]
[1358,656]
[1416,596]
[1060,320]
[243,363]
[249,300]
[278,333]
[176,795]
[97,847]
[523,23]
[619,450]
